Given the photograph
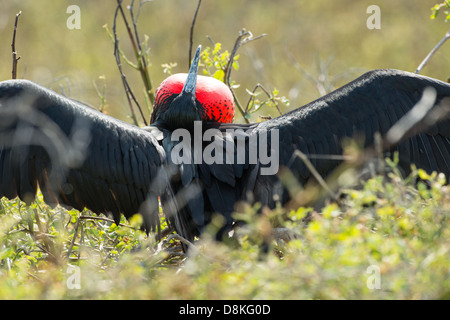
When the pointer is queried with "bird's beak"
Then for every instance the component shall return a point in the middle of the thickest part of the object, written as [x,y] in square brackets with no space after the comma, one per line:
[191,80]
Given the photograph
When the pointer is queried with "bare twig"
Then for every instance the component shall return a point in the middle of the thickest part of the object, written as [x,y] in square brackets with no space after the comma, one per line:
[13,47]
[101,93]
[315,173]
[136,33]
[243,38]
[432,52]
[105,219]
[164,233]
[140,55]
[185,241]
[74,237]
[191,35]
[269,96]
[211,40]
[126,86]
[141,66]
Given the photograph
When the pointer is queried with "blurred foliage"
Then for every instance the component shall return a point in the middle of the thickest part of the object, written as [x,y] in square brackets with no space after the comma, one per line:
[389,227]
[305,34]
[445,7]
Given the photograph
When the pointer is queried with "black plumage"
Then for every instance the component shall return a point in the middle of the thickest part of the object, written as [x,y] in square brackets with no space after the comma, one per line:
[82,158]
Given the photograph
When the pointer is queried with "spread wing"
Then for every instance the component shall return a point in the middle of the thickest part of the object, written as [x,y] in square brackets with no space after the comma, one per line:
[375,102]
[76,155]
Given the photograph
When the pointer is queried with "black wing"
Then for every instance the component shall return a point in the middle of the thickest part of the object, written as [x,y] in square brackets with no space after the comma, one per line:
[78,156]
[372,103]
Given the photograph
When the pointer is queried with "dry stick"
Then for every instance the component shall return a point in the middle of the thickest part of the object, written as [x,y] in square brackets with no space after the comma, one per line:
[45,239]
[315,173]
[243,38]
[126,85]
[136,33]
[235,98]
[142,63]
[107,220]
[130,33]
[140,59]
[119,65]
[191,35]
[183,240]
[432,52]
[413,117]
[165,232]
[269,95]
[74,237]
[13,47]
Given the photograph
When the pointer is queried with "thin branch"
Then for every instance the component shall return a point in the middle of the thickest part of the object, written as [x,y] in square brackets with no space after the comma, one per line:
[243,38]
[191,35]
[164,233]
[136,33]
[128,91]
[74,237]
[269,96]
[239,106]
[119,65]
[315,173]
[127,26]
[432,52]
[13,47]
[183,240]
[211,40]
[107,220]
[140,55]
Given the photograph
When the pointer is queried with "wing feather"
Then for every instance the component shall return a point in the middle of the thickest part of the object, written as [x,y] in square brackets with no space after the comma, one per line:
[109,167]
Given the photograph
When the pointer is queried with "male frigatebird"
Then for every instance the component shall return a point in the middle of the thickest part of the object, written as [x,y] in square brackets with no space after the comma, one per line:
[192,157]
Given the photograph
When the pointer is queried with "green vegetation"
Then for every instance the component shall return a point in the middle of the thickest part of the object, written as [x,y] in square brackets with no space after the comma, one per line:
[389,225]
[444,6]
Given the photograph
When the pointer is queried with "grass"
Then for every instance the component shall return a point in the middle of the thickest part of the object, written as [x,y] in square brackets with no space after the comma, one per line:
[387,239]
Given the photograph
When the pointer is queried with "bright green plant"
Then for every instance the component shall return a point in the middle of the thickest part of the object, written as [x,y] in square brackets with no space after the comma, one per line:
[393,225]
[444,7]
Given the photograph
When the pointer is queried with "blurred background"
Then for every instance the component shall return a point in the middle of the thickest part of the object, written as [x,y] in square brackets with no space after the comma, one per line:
[307,41]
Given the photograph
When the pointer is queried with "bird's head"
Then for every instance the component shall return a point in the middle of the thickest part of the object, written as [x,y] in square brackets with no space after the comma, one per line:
[184,98]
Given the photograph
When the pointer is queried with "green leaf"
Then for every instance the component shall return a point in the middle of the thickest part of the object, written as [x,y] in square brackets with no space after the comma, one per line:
[219,75]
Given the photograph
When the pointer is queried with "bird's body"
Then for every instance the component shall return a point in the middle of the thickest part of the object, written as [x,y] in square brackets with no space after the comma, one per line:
[123,169]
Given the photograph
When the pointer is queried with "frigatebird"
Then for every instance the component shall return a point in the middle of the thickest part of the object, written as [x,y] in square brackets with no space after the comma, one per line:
[192,159]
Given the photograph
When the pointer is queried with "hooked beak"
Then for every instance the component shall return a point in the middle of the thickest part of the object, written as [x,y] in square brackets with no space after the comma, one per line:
[191,80]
